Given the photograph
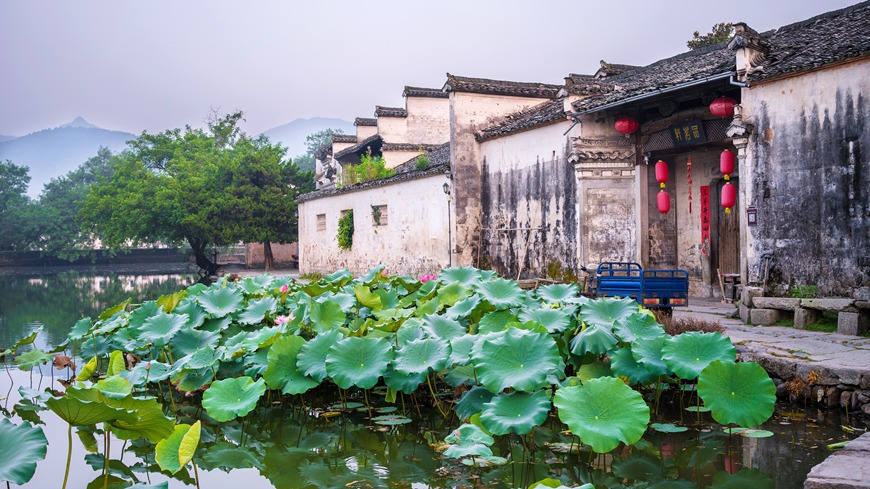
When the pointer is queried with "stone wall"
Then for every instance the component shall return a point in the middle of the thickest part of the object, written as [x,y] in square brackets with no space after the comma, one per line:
[283,254]
[808,164]
[411,239]
[528,201]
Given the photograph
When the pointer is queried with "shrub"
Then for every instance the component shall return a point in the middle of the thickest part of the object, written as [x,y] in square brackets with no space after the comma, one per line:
[803,291]
[369,168]
[674,326]
[422,162]
[345,230]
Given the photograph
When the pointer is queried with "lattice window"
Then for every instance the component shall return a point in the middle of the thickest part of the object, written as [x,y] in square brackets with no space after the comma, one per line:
[321,222]
[380,216]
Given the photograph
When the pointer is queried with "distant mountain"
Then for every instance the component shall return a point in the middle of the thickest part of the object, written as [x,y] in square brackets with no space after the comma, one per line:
[54,152]
[292,135]
[6,138]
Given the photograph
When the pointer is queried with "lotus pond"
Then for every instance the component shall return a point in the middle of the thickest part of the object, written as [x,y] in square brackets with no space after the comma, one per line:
[383,381]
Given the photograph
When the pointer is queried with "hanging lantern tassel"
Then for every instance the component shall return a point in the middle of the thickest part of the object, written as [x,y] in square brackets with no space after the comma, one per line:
[663,200]
[729,197]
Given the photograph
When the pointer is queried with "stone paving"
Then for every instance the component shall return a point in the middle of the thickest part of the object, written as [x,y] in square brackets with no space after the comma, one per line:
[846,469]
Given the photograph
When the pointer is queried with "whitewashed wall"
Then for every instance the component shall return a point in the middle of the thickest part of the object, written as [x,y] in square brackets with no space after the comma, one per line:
[413,241]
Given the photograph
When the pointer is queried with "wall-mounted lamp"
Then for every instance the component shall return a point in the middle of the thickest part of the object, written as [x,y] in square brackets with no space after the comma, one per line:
[446,188]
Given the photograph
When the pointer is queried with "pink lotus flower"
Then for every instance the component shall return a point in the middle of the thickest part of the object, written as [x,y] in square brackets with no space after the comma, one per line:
[384,273]
[284,289]
[284,319]
[427,277]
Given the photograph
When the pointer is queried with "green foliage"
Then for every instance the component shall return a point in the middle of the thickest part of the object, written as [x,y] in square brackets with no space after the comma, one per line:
[176,451]
[14,206]
[23,446]
[376,215]
[345,230]
[369,168]
[204,187]
[740,393]
[803,291]
[720,33]
[422,162]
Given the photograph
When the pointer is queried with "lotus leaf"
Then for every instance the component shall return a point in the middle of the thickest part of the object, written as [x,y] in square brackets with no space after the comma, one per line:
[594,339]
[495,321]
[115,387]
[402,382]
[517,412]
[391,420]
[79,330]
[160,328]
[228,456]
[147,372]
[257,310]
[168,302]
[687,354]
[220,301]
[327,315]
[648,352]
[367,298]
[668,428]
[516,358]
[420,356]
[468,440]
[191,380]
[283,372]
[501,293]
[555,320]
[174,452]
[467,276]
[442,327]
[312,356]
[606,311]
[389,298]
[143,312]
[450,294]
[594,371]
[255,285]
[756,433]
[740,393]
[410,330]
[150,422]
[559,293]
[460,350]
[463,308]
[228,399]
[201,358]
[430,306]
[636,326]
[746,477]
[358,361]
[33,358]
[603,412]
[78,412]
[623,363]
[108,313]
[23,446]
[247,341]
[472,402]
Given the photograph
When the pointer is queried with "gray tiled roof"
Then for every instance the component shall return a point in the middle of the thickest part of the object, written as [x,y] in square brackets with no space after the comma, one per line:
[361,146]
[365,121]
[407,147]
[827,38]
[439,164]
[692,66]
[538,115]
[390,111]
[424,92]
[500,87]
[343,138]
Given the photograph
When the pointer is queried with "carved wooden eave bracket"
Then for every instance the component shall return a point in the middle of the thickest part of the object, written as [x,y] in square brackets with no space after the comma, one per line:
[739,130]
[603,158]
[751,50]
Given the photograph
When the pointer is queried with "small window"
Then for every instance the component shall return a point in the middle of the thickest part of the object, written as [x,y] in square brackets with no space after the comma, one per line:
[379,215]
[321,222]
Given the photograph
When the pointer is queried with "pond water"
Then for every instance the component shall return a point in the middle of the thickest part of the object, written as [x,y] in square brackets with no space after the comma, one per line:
[318,442]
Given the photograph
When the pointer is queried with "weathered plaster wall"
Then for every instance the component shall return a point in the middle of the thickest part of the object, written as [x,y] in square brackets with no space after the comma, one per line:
[413,241]
[393,129]
[395,158]
[428,120]
[470,112]
[808,167]
[362,132]
[528,201]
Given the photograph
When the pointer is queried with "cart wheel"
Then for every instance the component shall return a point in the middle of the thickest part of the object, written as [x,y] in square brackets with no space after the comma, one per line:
[667,311]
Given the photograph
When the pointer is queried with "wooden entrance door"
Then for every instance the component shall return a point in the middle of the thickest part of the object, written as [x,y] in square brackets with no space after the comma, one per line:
[729,237]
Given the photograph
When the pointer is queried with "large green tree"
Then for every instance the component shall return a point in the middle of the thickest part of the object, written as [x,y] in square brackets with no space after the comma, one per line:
[721,32]
[313,142]
[207,187]
[54,226]
[14,206]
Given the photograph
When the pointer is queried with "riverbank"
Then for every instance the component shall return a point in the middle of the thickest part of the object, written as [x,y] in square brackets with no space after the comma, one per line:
[848,468]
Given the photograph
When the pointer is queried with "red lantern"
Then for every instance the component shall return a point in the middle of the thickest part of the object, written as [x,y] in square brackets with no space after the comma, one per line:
[723,107]
[663,200]
[626,125]
[726,163]
[661,173]
[729,196]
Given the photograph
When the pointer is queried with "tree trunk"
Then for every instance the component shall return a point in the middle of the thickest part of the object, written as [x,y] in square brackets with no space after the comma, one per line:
[202,261]
[267,254]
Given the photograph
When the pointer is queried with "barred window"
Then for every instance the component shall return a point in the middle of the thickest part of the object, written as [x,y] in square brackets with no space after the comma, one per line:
[321,222]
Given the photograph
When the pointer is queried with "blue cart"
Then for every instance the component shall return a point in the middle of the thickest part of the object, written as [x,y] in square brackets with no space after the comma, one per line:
[655,289]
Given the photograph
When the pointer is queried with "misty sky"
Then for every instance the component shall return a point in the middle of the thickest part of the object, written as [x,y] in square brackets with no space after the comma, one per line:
[158,64]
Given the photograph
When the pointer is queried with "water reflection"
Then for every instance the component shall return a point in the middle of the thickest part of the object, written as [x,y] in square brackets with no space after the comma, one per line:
[55,301]
[282,444]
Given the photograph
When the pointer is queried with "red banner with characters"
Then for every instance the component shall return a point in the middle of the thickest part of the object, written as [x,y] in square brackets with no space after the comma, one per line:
[705,219]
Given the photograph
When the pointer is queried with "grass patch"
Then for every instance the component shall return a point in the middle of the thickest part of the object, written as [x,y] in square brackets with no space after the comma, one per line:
[827,324]
[674,326]
[785,323]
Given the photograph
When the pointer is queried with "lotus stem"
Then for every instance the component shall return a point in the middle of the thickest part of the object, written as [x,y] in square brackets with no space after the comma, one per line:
[106,451]
[435,397]
[68,455]
[837,446]
[195,472]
